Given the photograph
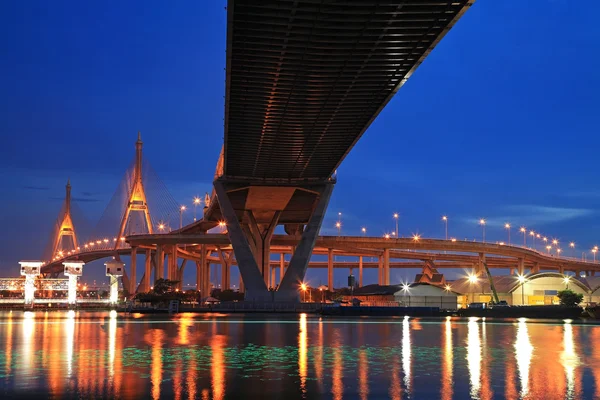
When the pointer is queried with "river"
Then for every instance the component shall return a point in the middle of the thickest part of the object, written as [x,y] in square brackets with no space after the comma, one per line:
[69,354]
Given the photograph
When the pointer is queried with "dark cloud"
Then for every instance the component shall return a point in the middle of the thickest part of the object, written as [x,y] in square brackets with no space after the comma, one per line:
[36,187]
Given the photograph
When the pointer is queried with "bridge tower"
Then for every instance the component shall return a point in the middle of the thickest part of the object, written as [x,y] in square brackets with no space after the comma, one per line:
[66,228]
[137,196]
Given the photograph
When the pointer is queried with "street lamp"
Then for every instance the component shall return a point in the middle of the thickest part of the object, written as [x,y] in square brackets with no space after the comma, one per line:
[566,280]
[222,225]
[548,248]
[445,219]
[522,281]
[558,252]
[387,236]
[303,287]
[396,216]
[532,234]
[524,232]
[197,202]
[507,227]
[482,223]
[181,210]
[338,225]
[161,227]
[364,231]
[572,246]
[594,252]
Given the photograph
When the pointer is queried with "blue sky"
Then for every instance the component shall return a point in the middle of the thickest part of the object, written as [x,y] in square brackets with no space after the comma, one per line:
[499,122]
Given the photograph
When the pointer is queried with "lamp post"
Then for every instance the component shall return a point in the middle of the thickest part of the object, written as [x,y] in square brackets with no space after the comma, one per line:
[558,252]
[548,248]
[566,280]
[472,281]
[445,219]
[338,225]
[482,223]
[522,281]
[572,246]
[197,201]
[396,216]
[364,231]
[594,253]
[524,232]
[532,234]
[181,210]
[507,227]
[303,287]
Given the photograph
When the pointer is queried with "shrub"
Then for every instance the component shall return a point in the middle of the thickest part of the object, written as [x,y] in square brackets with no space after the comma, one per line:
[569,298]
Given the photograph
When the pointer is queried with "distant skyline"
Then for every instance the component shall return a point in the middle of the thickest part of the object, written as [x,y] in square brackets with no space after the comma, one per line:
[499,122]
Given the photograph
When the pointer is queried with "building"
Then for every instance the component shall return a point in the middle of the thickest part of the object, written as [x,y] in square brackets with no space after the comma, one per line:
[375,295]
[537,289]
[426,295]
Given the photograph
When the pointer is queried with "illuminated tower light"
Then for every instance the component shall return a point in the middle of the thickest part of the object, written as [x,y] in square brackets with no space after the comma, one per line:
[114,269]
[73,269]
[30,269]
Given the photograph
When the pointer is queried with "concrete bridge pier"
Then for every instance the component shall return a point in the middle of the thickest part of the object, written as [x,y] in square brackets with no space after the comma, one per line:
[281,266]
[132,276]
[330,282]
[30,269]
[360,271]
[145,286]
[386,266]
[159,263]
[521,266]
[380,270]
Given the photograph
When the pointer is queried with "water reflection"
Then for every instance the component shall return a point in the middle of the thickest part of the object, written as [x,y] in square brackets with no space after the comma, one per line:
[28,348]
[406,354]
[474,356]
[447,361]
[217,345]
[302,354]
[523,353]
[363,374]
[337,387]
[109,355]
[569,358]
[156,337]
[70,336]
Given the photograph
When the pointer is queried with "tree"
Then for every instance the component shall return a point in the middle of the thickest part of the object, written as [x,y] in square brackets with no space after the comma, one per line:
[162,286]
[569,298]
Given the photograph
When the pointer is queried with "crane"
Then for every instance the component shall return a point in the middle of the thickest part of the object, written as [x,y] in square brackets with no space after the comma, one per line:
[496,300]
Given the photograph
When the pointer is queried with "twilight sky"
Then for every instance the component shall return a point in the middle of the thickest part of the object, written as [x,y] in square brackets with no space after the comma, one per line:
[498,122]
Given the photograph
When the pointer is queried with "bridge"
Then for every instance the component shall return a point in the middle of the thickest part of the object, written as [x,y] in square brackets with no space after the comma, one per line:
[304,81]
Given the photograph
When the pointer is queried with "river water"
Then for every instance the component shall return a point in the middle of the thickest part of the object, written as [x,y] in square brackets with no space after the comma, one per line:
[67,354]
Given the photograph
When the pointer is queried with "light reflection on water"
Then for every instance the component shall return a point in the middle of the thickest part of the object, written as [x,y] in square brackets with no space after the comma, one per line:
[81,355]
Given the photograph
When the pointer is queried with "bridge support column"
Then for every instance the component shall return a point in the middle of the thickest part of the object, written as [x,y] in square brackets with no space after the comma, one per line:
[256,289]
[380,270]
[296,271]
[512,271]
[30,269]
[180,271]
[159,263]
[536,268]
[273,282]
[145,287]
[73,269]
[480,266]
[225,259]
[132,277]
[561,269]
[330,283]
[281,267]
[521,267]
[360,271]
[386,267]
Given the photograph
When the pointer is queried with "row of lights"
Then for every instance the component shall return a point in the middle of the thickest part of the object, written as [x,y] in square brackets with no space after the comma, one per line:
[61,254]
[483,223]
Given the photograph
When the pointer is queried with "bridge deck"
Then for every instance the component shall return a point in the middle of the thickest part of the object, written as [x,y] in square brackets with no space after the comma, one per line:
[305,79]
